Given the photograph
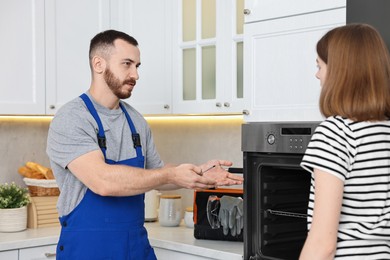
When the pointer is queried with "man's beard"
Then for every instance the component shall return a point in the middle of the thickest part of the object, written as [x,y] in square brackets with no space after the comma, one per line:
[115,84]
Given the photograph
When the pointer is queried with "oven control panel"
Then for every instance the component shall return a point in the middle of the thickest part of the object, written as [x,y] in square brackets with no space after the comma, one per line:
[297,143]
[277,137]
[290,140]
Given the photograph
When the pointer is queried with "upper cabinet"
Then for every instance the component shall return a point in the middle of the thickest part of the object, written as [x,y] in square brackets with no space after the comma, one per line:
[280,57]
[197,56]
[71,24]
[69,27]
[191,53]
[151,23]
[208,56]
[22,66]
[45,59]
[259,10]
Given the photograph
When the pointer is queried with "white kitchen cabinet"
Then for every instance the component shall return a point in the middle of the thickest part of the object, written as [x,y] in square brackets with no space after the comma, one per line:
[69,27]
[22,65]
[38,253]
[46,252]
[280,65]
[150,23]
[9,255]
[46,61]
[51,38]
[207,64]
[258,10]
[45,58]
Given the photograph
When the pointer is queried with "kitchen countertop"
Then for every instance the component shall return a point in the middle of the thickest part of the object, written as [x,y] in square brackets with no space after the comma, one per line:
[179,239]
[29,238]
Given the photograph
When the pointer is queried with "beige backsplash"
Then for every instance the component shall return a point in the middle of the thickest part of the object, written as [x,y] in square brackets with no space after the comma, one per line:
[178,140]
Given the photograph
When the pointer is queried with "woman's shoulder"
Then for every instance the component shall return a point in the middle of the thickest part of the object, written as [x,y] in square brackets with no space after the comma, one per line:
[336,124]
[352,125]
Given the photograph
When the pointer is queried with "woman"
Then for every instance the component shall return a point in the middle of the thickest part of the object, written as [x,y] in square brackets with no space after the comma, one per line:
[349,154]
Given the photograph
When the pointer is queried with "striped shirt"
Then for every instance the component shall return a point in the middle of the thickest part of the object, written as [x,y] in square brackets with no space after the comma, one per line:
[358,153]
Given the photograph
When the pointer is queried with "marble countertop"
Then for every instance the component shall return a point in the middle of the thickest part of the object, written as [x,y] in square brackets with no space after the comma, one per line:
[180,239]
[29,238]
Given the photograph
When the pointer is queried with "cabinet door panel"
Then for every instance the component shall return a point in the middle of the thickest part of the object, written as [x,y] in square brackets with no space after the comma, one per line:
[217,68]
[38,253]
[280,74]
[22,65]
[9,255]
[153,92]
[70,25]
[270,9]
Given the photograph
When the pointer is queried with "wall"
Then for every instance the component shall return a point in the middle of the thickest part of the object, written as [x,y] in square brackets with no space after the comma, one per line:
[193,139]
[197,140]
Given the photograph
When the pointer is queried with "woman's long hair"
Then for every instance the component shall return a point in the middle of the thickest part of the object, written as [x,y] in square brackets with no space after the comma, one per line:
[357,84]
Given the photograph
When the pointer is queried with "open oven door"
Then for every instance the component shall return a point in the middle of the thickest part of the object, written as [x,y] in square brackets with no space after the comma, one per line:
[275,205]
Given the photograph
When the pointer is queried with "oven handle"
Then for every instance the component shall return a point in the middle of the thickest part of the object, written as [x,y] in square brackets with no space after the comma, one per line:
[236,170]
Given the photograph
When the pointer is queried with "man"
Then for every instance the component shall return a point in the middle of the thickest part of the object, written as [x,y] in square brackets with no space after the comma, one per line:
[104,160]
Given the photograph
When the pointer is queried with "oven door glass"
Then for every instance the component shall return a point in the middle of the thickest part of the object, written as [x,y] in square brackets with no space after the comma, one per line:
[277,193]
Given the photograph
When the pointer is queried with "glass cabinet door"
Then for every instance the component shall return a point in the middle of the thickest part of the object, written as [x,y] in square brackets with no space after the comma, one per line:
[200,47]
[211,54]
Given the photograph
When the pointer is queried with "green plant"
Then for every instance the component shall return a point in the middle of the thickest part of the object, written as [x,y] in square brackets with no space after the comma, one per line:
[13,196]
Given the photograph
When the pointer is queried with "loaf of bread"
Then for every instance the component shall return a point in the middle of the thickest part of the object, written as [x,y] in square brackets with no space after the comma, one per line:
[35,170]
[29,173]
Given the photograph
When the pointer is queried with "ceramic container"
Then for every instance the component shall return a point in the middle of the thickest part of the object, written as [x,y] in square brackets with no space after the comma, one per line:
[169,214]
[13,220]
[151,205]
[189,217]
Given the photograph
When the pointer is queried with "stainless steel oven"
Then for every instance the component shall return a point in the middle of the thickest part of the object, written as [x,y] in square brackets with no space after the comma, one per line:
[276,189]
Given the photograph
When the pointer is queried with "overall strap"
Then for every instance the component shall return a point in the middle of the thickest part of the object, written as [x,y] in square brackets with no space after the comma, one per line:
[100,135]
[134,135]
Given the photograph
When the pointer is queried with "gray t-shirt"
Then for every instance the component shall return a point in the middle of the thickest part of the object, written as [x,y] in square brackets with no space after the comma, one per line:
[73,132]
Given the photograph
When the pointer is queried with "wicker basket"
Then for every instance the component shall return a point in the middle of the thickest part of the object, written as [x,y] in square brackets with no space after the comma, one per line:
[39,187]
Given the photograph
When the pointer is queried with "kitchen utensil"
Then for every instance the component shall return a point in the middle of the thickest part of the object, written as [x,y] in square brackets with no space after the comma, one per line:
[202,172]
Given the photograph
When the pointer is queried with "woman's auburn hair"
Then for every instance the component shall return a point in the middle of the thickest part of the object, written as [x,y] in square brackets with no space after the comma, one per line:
[357,84]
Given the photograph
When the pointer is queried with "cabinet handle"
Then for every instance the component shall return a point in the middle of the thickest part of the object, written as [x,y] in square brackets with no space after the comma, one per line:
[52,106]
[49,255]
[166,106]
[218,104]
[247,11]
[245,112]
[226,104]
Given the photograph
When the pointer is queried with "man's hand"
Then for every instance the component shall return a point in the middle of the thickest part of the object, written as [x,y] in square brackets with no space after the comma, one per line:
[189,176]
[220,174]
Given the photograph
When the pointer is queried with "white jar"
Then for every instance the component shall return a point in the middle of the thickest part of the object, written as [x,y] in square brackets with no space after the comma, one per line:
[189,217]
[169,214]
[151,205]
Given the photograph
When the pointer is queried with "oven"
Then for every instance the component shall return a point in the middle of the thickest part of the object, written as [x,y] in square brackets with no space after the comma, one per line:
[276,189]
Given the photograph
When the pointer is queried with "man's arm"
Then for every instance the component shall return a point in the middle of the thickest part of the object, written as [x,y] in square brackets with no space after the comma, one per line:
[213,169]
[121,180]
